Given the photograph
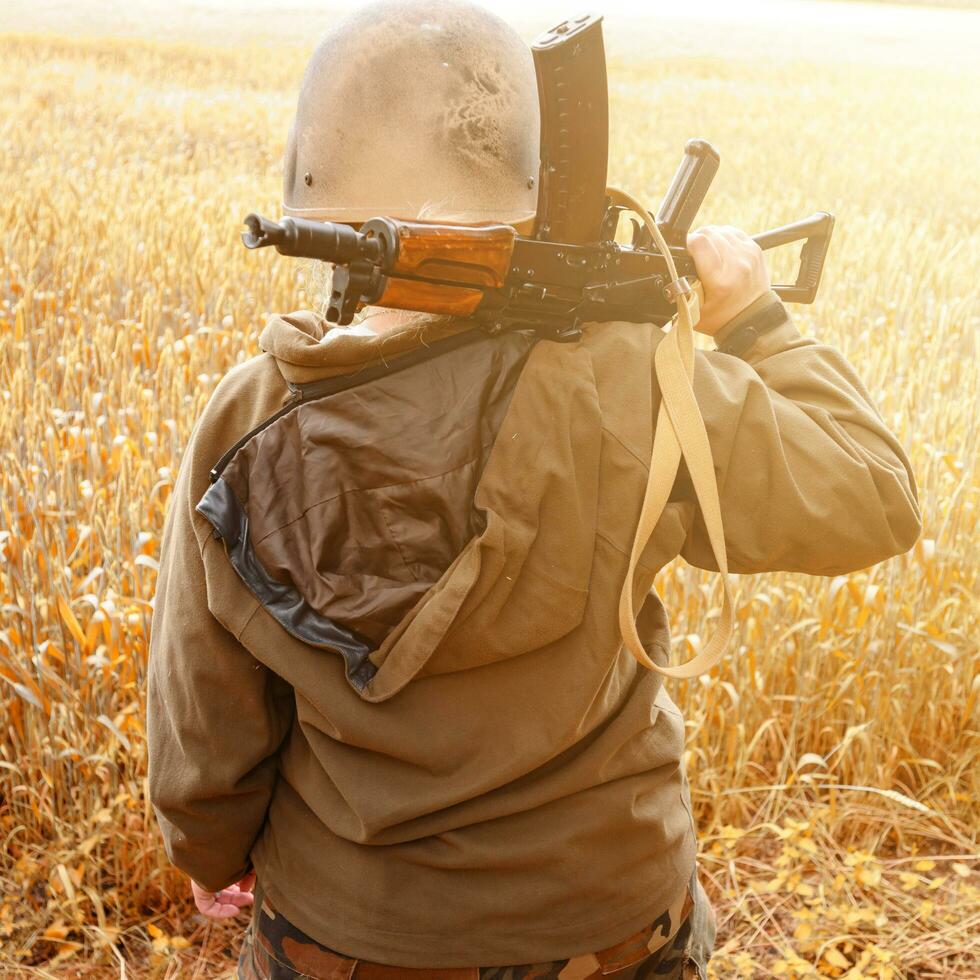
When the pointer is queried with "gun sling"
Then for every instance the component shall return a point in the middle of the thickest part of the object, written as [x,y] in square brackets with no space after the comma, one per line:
[679,432]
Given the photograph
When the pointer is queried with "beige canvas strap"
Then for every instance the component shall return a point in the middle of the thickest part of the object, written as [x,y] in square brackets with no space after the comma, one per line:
[680,431]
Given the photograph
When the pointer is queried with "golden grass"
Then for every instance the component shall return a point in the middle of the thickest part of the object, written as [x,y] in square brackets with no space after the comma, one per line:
[833,758]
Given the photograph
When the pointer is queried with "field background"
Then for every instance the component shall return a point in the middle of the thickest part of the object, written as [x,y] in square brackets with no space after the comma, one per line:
[833,757]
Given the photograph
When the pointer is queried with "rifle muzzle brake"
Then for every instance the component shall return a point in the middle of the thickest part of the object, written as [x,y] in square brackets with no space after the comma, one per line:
[323,240]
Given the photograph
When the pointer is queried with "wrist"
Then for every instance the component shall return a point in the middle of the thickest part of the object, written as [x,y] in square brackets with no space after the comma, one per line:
[765,314]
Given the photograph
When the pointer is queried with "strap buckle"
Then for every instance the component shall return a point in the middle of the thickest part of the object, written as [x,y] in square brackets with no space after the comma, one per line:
[680,286]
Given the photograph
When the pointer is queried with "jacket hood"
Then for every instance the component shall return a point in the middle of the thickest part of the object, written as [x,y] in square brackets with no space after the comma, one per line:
[390,511]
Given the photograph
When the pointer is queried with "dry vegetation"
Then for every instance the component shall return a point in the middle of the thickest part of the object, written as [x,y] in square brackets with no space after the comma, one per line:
[833,757]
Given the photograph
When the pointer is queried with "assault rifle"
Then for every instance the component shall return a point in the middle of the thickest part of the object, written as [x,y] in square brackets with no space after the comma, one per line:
[571,270]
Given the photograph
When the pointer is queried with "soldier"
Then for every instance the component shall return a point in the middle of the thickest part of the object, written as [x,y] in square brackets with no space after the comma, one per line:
[386,672]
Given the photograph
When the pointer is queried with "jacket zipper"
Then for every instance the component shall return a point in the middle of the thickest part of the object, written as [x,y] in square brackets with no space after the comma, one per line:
[227,456]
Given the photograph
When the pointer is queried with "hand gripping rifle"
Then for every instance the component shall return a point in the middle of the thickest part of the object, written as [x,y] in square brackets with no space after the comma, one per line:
[571,270]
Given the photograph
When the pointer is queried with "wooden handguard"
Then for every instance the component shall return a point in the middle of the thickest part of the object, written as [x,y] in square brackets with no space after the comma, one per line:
[473,255]
[427,297]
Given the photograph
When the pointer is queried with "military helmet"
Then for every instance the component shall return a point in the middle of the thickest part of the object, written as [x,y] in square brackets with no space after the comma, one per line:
[416,109]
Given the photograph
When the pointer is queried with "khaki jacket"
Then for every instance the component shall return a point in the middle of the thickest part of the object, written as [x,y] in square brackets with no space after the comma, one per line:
[385,666]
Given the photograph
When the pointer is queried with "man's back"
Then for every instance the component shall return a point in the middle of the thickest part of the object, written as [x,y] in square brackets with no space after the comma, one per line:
[499,781]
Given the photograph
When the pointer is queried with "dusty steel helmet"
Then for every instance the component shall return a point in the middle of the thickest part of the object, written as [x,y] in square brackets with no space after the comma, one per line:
[416,109]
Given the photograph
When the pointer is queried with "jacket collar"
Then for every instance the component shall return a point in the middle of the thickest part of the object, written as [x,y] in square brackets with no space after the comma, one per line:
[307,348]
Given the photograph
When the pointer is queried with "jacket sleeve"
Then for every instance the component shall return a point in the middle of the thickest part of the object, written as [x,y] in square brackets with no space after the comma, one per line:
[809,477]
[215,716]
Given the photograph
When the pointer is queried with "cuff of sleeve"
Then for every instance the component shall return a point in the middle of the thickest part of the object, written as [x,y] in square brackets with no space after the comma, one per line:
[203,863]
[767,299]
[761,328]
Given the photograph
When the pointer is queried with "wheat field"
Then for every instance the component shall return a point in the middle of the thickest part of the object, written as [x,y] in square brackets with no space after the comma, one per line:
[833,756]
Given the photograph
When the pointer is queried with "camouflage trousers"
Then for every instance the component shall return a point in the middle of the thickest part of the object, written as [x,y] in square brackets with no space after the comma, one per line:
[675,946]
